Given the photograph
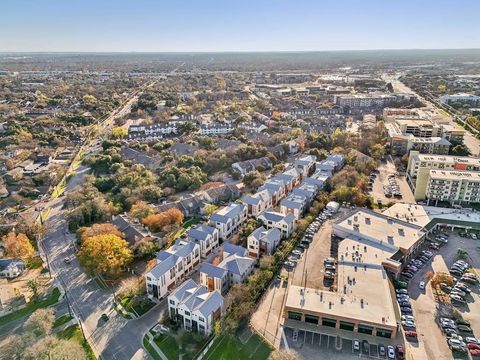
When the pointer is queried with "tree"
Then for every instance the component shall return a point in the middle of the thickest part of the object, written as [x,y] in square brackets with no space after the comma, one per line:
[105,254]
[210,209]
[33,286]
[377,151]
[89,99]
[98,229]
[141,210]
[253,178]
[156,222]
[41,322]
[18,245]
[186,128]
[119,132]
[460,150]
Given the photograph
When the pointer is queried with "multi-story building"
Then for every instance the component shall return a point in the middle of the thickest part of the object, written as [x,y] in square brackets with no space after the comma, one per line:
[469,99]
[173,265]
[283,222]
[195,308]
[263,241]
[258,202]
[234,268]
[229,219]
[294,204]
[443,178]
[206,236]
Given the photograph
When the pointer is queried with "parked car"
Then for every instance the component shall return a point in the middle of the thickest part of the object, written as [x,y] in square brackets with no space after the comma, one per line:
[382,351]
[391,352]
[408,318]
[457,299]
[463,322]
[356,345]
[406,310]
[473,346]
[472,340]
[399,351]
[421,285]
[475,353]
[409,324]
[465,329]
[411,334]
[402,291]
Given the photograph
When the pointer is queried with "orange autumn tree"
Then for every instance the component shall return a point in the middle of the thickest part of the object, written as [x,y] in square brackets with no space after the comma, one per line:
[105,254]
[18,245]
[98,229]
[156,222]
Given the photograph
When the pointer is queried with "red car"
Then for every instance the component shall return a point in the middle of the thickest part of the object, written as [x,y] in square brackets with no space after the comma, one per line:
[475,352]
[473,346]
[400,353]
[412,334]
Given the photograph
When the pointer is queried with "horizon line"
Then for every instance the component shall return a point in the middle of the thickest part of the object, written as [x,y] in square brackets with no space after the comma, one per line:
[225,51]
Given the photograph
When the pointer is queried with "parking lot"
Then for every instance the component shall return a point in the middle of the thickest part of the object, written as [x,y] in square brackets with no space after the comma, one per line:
[432,343]
[310,269]
[385,170]
[327,343]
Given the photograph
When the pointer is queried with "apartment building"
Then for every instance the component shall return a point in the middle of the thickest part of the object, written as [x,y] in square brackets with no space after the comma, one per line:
[294,204]
[257,203]
[443,178]
[173,265]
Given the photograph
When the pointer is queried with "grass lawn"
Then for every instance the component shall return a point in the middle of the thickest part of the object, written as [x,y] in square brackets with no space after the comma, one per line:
[74,333]
[150,349]
[192,344]
[35,262]
[62,320]
[31,307]
[190,222]
[227,347]
[140,306]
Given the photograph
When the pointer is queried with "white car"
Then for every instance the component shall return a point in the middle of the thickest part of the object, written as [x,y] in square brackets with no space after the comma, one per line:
[421,285]
[391,352]
[472,340]
[408,318]
[356,345]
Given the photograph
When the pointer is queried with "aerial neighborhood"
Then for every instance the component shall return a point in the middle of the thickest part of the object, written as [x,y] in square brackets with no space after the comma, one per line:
[238,206]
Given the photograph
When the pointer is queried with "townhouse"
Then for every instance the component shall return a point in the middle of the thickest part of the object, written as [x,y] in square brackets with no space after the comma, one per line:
[195,308]
[294,204]
[229,219]
[233,268]
[263,241]
[309,191]
[306,163]
[258,202]
[244,167]
[283,222]
[173,265]
[205,236]
[11,268]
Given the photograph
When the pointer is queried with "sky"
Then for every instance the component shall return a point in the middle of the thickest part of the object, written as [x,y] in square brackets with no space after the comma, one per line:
[237,25]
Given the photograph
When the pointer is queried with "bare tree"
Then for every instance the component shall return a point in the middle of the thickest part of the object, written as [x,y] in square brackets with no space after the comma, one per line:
[41,322]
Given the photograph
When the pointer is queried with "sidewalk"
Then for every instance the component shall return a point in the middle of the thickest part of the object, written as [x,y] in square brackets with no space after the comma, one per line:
[155,347]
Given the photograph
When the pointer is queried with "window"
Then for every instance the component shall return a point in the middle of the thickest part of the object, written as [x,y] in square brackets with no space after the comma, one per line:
[329,322]
[344,325]
[172,302]
[201,319]
[187,313]
[294,316]
[312,319]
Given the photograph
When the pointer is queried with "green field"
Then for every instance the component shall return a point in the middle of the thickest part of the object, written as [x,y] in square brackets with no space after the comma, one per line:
[227,347]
